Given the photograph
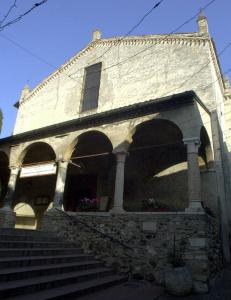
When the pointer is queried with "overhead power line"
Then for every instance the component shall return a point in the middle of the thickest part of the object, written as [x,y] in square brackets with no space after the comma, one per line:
[70,76]
[8,12]
[38,57]
[220,77]
[199,71]
[119,63]
[151,46]
[156,5]
[17,19]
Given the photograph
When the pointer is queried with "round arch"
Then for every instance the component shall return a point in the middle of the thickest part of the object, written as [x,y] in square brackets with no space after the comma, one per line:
[37,152]
[36,189]
[157,145]
[25,216]
[205,149]
[89,174]
[4,173]
[158,118]
[72,146]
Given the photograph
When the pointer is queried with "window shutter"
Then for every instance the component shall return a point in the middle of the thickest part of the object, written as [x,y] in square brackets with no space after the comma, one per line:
[91,87]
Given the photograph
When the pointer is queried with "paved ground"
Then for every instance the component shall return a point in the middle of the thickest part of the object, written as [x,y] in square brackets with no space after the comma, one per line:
[220,291]
[133,290]
[140,290]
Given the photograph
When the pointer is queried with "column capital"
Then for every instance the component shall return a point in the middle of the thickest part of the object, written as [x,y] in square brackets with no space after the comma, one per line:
[120,151]
[192,140]
[14,170]
[62,162]
[120,154]
[192,144]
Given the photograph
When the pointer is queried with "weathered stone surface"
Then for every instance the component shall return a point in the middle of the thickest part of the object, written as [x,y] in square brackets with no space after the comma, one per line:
[147,254]
[178,281]
[197,242]
[136,86]
[7,218]
[150,227]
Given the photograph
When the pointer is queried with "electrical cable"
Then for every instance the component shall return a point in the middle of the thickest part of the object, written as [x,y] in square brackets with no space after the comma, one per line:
[149,47]
[17,19]
[114,65]
[8,12]
[131,30]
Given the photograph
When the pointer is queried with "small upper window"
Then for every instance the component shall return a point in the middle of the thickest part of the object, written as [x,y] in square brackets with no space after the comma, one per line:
[91,87]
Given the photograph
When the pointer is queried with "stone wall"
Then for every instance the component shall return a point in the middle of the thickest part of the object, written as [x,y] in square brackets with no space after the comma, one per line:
[160,71]
[148,241]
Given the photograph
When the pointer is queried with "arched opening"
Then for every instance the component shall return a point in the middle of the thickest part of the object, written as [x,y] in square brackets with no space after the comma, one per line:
[25,216]
[90,174]
[205,150]
[39,152]
[37,180]
[155,172]
[209,193]
[4,175]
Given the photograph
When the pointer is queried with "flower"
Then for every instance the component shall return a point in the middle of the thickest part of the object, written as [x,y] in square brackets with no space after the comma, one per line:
[88,203]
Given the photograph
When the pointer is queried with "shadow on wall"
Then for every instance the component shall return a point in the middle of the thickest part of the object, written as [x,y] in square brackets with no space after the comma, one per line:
[154,170]
[37,192]
[4,175]
[166,191]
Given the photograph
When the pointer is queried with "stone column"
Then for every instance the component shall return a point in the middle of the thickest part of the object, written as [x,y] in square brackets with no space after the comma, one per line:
[7,215]
[60,184]
[119,181]
[11,188]
[194,181]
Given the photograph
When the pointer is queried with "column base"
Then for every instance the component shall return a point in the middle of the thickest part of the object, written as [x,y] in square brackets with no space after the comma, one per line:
[117,210]
[55,207]
[195,206]
[7,217]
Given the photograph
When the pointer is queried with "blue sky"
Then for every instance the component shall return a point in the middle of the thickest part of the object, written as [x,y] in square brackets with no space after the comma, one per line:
[60,28]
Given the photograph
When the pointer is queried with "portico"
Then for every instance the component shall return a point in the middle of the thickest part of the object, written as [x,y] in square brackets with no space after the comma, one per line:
[121,172]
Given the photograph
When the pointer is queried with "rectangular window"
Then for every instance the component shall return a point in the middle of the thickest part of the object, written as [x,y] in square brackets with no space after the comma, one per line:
[91,87]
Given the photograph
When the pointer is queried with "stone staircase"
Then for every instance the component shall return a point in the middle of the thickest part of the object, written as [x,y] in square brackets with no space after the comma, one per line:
[37,265]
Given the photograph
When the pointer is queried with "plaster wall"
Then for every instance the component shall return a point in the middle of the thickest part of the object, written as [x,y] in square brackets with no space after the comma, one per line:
[164,69]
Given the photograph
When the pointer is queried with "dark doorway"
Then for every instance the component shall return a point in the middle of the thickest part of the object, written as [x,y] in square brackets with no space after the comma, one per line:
[80,187]
[90,174]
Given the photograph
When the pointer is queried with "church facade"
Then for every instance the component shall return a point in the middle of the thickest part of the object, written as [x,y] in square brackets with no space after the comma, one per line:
[135,126]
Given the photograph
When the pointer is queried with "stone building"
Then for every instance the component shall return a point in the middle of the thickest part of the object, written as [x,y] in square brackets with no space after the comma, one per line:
[134,129]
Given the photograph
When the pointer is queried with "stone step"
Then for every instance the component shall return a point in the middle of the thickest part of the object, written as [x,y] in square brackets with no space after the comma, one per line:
[21,237]
[41,270]
[26,232]
[13,252]
[72,291]
[38,265]
[35,244]
[26,286]
[22,261]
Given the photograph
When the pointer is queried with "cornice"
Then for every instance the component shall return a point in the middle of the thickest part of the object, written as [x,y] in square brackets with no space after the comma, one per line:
[142,108]
[181,39]
[216,64]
